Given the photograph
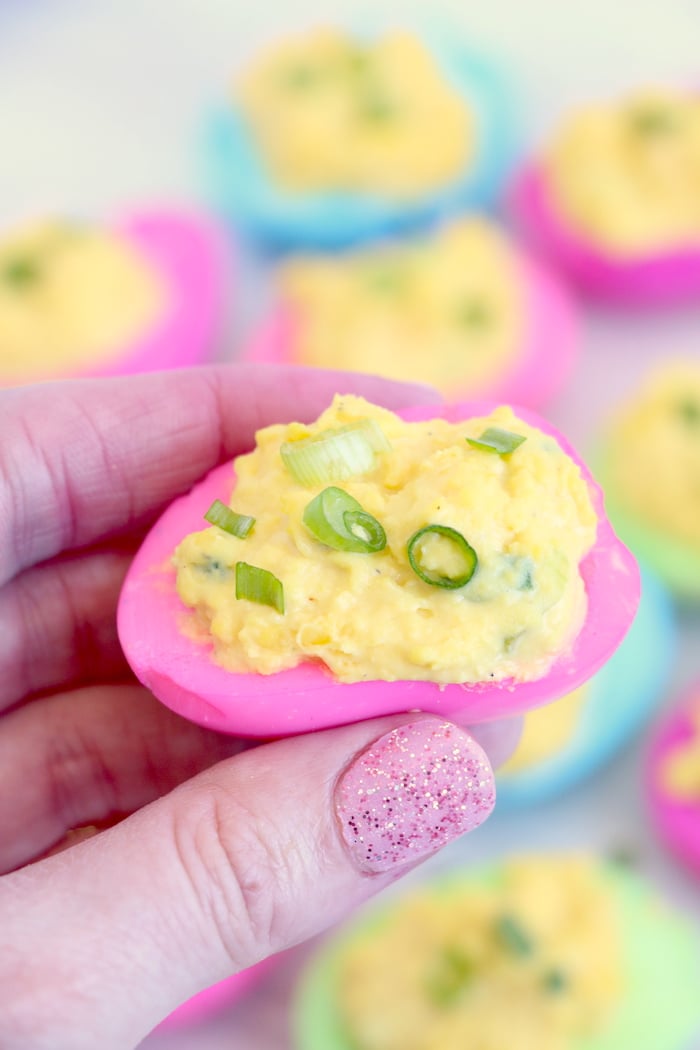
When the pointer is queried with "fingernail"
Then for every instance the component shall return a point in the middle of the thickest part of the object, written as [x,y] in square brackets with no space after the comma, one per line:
[413,791]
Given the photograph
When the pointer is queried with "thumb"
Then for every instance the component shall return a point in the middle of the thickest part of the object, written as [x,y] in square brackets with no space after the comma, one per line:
[252,856]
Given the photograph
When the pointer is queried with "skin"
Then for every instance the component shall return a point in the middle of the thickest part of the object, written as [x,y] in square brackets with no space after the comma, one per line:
[196,854]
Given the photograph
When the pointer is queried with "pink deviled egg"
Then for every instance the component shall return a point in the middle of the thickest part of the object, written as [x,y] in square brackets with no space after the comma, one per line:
[614,198]
[139,294]
[461,308]
[453,559]
[673,779]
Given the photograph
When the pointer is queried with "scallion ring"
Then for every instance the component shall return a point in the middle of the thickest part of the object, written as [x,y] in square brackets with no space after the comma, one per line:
[453,561]
[493,439]
[335,518]
[239,525]
[258,585]
[335,454]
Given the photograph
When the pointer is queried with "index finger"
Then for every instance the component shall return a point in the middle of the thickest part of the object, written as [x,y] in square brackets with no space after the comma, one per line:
[82,459]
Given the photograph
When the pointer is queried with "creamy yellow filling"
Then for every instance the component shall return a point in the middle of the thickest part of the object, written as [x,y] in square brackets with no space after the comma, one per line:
[446,310]
[530,962]
[546,732]
[628,175]
[680,771]
[329,111]
[653,452]
[70,294]
[527,515]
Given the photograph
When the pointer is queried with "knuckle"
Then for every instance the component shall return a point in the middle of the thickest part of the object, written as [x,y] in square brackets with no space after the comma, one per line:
[240,872]
[80,783]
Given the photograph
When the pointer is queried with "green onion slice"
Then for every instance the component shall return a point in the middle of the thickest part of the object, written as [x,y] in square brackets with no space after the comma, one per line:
[654,120]
[452,562]
[239,525]
[689,411]
[259,585]
[453,974]
[555,981]
[513,936]
[493,439]
[335,518]
[472,313]
[20,272]
[335,454]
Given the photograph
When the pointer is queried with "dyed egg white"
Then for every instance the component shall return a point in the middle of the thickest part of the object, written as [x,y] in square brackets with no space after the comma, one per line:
[242,187]
[617,703]
[544,359]
[217,998]
[183,675]
[676,819]
[187,258]
[658,1007]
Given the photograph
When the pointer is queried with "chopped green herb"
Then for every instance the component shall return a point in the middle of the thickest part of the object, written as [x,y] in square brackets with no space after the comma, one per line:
[623,856]
[358,60]
[453,974]
[527,584]
[339,521]
[555,981]
[300,77]
[513,936]
[472,313]
[510,642]
[493,439]
[258,585]
[386,279]
[213,567]
[461,553]
[377,108]
[239,525]
[654,120]
[689,411]
[21,272]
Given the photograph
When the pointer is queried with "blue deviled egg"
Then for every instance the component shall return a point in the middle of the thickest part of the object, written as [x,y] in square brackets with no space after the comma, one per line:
[568,740]
[333,138]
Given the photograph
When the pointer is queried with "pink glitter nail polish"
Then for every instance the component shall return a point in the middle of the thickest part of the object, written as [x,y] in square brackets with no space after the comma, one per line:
[414,790]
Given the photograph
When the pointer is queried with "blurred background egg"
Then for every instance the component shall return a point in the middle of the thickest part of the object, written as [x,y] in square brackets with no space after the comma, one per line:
[649,466]
[614,197]
[569,740]
[461,308]
[329,137]
[673,779]
[76,298]
[582,953]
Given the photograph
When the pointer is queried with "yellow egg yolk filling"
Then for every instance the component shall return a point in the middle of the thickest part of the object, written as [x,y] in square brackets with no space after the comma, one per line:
[628,176]
[680,770]
[70,294]
[505,537]
[546,732]
[332,113]
[653,452]
[532,962]
[446,311]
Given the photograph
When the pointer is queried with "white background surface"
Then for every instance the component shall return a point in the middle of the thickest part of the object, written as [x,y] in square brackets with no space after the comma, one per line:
[100,103]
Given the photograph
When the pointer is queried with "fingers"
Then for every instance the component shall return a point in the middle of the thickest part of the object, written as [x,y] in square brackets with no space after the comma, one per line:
[58,625]
[82,459]
[86,756]
[251,857]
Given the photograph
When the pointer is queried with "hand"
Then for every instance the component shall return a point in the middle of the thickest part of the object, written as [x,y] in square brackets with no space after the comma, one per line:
[215,853]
